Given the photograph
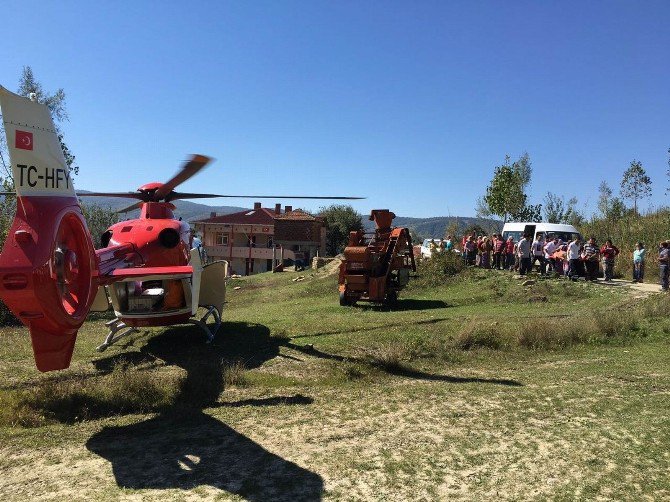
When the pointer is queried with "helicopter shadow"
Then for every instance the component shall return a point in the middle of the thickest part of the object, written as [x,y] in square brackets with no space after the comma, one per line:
[405,304]
[183,447]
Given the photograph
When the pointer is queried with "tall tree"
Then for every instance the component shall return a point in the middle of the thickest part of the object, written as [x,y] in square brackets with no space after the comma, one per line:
[635,183]
[505,194]
[573,216]
[523,167]
[556,210]
[529,212]
[604,196]
[340,219]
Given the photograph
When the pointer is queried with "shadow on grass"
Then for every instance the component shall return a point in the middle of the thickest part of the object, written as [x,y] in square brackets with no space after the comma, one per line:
[188,450]
[399,369]
[376,327]
[183,447]
[405,304]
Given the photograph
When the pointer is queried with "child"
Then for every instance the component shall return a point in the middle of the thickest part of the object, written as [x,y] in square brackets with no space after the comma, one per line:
[638,262]
[609,252]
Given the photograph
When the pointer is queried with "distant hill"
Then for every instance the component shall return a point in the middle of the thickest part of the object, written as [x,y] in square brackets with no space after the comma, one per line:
[189,211]
[437,226]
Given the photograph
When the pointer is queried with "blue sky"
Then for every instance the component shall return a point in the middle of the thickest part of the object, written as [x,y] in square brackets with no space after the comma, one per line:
[410,104]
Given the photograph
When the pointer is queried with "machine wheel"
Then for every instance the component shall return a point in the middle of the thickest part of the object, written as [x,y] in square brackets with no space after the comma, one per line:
[392,298]
[344,302]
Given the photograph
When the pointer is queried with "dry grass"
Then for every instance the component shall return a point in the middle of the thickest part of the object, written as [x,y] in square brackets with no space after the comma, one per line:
[235,375]
[69,400]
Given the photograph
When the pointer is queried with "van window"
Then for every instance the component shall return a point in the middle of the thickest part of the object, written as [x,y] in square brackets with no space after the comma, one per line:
[515,234]
[564,236]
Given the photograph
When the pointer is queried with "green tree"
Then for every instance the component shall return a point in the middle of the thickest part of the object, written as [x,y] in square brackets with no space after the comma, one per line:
[505,194]
[452,229]
[635,184]
[604,196]
[573,216]
[556,210]
[529,212]
[523,167]
[476,228]
[340,219]
[98,220]
[416,237]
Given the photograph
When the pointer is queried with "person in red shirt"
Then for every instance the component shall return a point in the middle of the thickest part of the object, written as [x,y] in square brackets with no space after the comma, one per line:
[509,253]
[609,252]
[498,252]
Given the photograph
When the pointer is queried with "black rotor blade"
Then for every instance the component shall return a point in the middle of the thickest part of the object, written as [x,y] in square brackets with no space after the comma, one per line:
[7,193]
[122,195]
[132,207]
[176,196]
[190,168]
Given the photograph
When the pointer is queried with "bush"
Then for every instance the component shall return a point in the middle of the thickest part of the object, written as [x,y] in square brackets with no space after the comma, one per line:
[546,334]
[478,335]
[650,229]
[235,374]
[433,271]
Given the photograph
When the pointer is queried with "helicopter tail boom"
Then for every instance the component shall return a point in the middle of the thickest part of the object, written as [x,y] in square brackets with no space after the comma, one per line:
[48,263]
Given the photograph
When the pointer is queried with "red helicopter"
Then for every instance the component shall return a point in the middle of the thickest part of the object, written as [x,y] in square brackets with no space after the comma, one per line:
[51,276]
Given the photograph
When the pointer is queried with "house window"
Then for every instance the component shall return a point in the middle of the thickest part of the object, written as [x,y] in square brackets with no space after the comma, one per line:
[221,239]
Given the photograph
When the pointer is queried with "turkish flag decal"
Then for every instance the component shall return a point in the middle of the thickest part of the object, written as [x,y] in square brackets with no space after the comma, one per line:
[24,140]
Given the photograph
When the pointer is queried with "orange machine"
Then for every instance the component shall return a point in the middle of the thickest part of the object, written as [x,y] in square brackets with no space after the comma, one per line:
[375,270]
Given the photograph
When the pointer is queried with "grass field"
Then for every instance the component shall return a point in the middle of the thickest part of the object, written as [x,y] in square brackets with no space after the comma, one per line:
[465,390]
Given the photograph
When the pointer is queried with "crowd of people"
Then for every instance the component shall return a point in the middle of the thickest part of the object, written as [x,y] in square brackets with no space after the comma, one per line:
[551,255]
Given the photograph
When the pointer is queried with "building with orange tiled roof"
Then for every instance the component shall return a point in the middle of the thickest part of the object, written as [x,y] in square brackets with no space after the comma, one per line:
[259,239]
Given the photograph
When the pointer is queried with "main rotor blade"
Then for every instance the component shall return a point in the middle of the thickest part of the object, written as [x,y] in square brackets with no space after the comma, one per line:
[7,193]
[132,207]
[122,195]
[190,168]
[176,196]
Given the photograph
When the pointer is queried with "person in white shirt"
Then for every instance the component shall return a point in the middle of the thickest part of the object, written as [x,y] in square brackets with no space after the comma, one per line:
[574,249]
[549,249]
[524,254]
[538,253]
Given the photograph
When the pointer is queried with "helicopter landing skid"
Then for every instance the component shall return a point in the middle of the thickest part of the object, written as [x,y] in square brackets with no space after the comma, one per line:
[202,322]
[117,330]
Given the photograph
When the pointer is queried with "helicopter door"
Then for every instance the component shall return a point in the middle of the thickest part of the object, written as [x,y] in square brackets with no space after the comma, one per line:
[196,264]
[213,285]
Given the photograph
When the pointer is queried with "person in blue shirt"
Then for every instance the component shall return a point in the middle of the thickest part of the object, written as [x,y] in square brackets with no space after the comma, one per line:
[638,262]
